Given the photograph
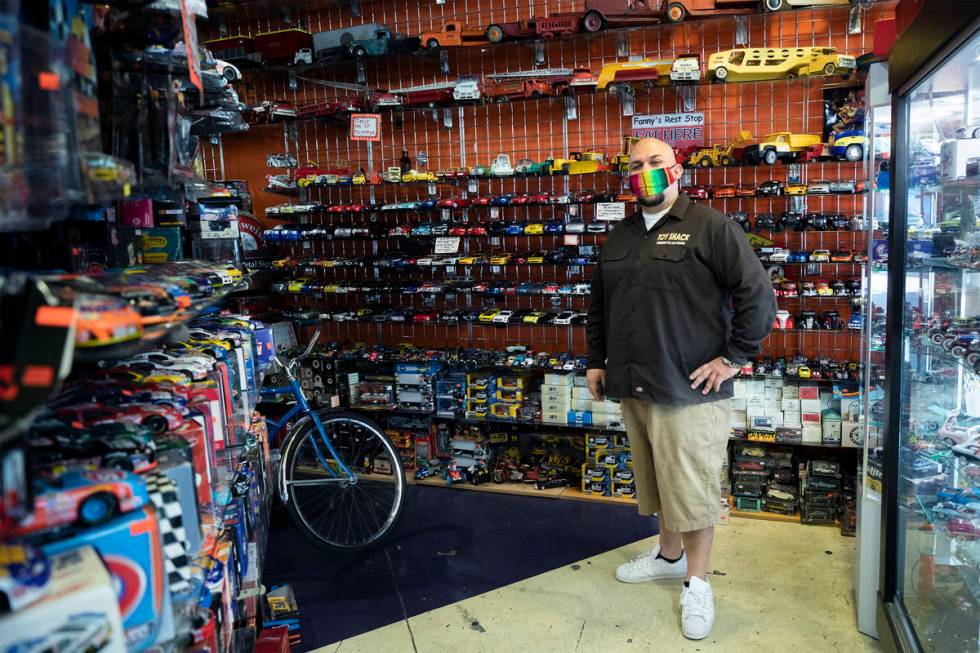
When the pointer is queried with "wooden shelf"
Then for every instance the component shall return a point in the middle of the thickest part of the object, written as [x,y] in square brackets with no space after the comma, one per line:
[521,489]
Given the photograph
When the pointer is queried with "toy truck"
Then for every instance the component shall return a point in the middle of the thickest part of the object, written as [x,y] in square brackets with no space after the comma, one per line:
[686,68]
[234,48]
[515,89]
[382,42]
[452,34]
[719,155]
[536,27]
[621,161]
[584,163]
[781,146]
[628,75]
[429,97]
[600,14]
[282,45]
[334,45]
[678,10]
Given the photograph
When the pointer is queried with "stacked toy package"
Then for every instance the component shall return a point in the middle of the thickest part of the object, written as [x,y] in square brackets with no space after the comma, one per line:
[414,388]
[608,467]
[782,490]
[750,476]
[819,489]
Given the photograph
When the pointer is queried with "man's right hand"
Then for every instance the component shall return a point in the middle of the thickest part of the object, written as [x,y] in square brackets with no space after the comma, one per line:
[597,383]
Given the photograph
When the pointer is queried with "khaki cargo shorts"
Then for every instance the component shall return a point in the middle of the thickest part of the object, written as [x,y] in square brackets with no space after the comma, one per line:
[678,452]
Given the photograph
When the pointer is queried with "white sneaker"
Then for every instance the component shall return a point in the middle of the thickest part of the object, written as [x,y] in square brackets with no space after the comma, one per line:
[697,609]
[647,566]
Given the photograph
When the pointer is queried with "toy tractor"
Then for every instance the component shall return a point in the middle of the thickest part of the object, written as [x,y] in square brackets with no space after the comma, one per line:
[719,155]
[621,161]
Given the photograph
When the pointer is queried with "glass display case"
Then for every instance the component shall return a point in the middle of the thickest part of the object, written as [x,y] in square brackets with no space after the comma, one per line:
[930,567]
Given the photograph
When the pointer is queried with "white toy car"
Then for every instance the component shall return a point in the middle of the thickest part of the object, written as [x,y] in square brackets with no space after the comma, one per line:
[303,55]
[467,88]
[779,255]
[503,317]
[501,166]
[228,71]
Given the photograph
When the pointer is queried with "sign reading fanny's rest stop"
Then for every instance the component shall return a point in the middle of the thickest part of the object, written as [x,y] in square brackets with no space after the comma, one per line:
[675,129]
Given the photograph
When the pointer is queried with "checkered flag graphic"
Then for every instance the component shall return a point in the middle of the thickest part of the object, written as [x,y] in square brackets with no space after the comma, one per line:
[163,494]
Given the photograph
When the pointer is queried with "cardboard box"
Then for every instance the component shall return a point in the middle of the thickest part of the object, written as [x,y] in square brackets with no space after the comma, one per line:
[738,389]
[162,245]
[554,417]
[739,404]
[810,418]
[810,405]
[560,380]
[773,393]
[136,213]
[792,418]
[581,393]
[580,404]
[809,392]
[81,602]
[831,424]
[791,391]
[739,419]
[131,545]
[791,405]
[812,434]
[552,389]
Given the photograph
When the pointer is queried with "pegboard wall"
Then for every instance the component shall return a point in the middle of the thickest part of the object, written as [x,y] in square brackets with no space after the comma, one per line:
[465,136]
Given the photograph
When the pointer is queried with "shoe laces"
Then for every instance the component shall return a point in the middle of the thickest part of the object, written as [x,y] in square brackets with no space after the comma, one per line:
[643,559]
[695,603]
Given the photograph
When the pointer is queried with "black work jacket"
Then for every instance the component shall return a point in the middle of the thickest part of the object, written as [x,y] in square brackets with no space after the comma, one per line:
[666,301]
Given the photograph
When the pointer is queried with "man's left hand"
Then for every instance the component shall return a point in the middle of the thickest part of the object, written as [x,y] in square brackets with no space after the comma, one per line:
[712,374]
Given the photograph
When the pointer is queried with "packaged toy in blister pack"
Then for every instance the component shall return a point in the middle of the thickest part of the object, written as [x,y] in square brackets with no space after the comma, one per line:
[13,183]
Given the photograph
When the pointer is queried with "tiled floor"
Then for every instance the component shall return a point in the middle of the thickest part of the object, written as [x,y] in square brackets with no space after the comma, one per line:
[475,572]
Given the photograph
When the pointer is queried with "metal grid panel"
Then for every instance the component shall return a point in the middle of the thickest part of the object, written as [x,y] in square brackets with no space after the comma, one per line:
[539,129]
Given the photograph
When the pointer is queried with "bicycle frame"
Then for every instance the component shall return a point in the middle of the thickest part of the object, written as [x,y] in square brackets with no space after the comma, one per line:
[302,407]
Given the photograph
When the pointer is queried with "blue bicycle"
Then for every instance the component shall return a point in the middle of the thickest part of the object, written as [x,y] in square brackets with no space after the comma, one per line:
[340,476]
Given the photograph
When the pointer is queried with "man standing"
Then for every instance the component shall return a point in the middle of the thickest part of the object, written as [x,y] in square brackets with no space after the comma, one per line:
[679,302]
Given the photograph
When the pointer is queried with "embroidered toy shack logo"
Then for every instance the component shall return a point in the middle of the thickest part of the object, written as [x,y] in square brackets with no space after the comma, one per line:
[672,238]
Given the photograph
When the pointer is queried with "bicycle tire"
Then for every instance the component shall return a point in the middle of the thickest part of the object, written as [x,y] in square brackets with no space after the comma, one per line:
[332,515]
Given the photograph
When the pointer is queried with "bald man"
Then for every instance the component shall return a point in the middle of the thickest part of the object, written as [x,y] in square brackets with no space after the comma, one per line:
[679,302]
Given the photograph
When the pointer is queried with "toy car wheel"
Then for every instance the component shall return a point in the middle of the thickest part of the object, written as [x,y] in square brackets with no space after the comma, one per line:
[592,22]
[498,476]
[676,12]
[770,157]
[156,423]
[96,509]
[726,160]
[958,351]
[792,75]
[774,5]
[854,152]
[829,69]
[502,99]
[721,73]
[495,34]
[360,52]
[229,74]
[949,442]
[973,359]
[704,163]
[432,44]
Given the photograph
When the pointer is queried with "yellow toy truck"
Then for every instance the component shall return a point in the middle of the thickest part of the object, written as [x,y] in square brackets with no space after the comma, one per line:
[719,155]
[781,146]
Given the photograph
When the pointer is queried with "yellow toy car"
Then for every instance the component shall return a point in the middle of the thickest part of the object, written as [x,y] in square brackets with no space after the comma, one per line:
[534,229]
[795,189]
[755,64]
[535,259]
[488,315]
[296,285]
[425,176]
[359,179]
[470,260]
[804,372]
[500,259]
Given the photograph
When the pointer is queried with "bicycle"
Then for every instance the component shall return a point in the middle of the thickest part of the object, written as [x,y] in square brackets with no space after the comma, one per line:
[327,480]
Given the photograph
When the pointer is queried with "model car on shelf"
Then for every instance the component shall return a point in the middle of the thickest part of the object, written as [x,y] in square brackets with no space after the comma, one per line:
[452,34]
[82,497]
[757,64]
[795,189]
[820,256]
[720,155]
[561,25]
[818,188]
[844,186]
[627,76]
[841,256]
[780,146]
[722,192]
[848,145]
[600,14]
[770,189]
[697,192]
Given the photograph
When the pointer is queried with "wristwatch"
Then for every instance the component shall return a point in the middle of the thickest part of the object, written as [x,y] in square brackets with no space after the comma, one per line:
[731,364]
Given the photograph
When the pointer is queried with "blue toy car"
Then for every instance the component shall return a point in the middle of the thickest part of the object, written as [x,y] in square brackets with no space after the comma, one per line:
[960,496]
[514,229]
[422,230]
[554,227]
[501,200]
[428,204]
[798,257]
[24,575]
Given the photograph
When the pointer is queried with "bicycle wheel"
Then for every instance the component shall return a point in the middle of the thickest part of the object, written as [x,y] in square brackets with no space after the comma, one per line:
[332,511]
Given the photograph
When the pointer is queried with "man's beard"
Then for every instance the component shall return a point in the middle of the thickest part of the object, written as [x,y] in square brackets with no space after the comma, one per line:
[651,202]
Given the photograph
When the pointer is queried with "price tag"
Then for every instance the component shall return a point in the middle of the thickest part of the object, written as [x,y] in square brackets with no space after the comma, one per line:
[573,210]
[432,189]
[473,186]
[574,269]
[571,239]
[495,241]
[494,212]
[446,214]
[307,244]
[496,269]
[450,269]
[447,245]
[610,211]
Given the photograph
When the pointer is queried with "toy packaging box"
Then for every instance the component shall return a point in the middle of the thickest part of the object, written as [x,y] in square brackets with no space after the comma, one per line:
[130,547]
[79,613]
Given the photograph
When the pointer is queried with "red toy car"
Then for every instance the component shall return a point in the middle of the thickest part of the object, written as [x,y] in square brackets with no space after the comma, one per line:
[539,198]
[697,192]
[476,231]
[156,417]
[457,231]
[453,203]
[482,200]
[520,200]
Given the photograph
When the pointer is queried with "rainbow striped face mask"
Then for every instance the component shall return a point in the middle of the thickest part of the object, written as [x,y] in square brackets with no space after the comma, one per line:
[649,185]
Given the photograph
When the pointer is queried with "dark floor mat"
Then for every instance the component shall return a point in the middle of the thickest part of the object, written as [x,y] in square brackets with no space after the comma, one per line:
[448,546]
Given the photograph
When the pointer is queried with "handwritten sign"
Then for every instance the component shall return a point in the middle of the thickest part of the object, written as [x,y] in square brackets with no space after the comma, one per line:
[448,245]
[610,211]
[365,127]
